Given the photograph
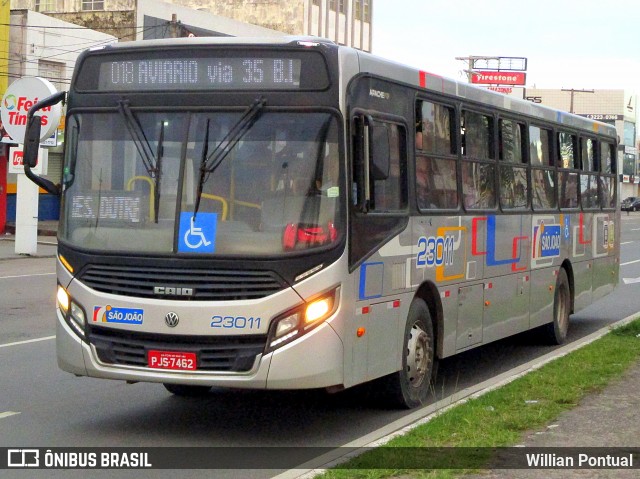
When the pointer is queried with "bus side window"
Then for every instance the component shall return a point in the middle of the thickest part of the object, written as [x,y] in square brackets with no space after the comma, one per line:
[389,192]
[513,171]
[543,173]
[588,180]
[436,175]
[608,181]
[568,160]
[478,167]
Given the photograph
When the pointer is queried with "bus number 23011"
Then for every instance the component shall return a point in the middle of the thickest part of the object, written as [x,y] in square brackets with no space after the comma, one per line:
[435,251]
[235,322]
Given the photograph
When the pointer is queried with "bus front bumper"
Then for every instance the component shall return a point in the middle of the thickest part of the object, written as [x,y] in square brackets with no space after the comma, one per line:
[313,361]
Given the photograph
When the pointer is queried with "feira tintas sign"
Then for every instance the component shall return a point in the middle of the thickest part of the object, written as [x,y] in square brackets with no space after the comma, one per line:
[19,98]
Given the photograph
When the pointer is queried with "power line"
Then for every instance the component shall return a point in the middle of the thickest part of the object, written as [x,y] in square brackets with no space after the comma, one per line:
[77,27]
[14,63]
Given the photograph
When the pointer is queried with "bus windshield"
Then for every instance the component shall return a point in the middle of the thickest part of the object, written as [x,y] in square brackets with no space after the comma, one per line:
[202,182]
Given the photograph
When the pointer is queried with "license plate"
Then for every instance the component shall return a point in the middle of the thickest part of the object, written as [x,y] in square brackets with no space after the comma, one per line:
[172,360]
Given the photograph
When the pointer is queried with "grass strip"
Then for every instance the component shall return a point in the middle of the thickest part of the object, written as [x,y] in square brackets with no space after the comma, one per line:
[500,417]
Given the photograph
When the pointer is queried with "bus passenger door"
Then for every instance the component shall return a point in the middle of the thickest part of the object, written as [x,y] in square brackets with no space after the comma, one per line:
[380,242]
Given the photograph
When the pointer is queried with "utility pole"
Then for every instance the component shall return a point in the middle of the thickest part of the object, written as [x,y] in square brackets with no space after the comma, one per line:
[573,92]
[174,25]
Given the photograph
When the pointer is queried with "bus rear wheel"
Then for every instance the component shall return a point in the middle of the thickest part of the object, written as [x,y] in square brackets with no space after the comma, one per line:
[556,331]
[185,390]
[409,387]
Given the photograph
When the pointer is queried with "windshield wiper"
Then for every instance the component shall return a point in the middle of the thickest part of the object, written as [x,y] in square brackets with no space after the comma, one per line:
[151,162]
[139,138]
[203,171]
[210,162]
[159,156]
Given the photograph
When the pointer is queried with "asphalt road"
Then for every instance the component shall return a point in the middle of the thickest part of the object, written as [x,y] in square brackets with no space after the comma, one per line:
[56,409]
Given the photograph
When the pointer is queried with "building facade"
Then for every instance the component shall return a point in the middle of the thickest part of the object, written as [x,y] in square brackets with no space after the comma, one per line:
[346,22]
[615,107]
[45,47]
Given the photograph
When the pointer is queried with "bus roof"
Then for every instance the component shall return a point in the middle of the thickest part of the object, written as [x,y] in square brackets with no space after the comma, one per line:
[436,83]
[382,67]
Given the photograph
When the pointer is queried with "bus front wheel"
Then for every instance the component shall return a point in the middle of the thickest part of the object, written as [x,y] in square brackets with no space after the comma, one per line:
[186,390]
[409,387]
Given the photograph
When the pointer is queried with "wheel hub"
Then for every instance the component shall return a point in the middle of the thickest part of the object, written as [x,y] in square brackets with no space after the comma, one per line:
[418,356]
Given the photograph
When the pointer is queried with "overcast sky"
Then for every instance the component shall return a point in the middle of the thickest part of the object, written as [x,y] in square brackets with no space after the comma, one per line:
[568,43]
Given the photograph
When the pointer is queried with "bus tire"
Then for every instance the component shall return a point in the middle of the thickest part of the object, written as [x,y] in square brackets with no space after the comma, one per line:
[409,387]
[555,332]
[185,390]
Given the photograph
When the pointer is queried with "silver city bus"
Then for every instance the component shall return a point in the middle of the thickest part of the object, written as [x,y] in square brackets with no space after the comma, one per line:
[289,214]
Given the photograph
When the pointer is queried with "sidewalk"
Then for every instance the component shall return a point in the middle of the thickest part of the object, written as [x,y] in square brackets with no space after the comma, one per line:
[610,418]
[47,242]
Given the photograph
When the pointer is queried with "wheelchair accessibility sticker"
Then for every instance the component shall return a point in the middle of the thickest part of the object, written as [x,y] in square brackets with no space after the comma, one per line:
[197,236]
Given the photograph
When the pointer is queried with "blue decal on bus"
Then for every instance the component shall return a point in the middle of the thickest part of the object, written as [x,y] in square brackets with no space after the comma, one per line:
[491,246]
[199,235]
[111,314]
[546,241]
[371,276]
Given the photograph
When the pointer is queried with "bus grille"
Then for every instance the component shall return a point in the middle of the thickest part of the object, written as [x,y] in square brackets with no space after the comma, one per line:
[222,354]
[207,285]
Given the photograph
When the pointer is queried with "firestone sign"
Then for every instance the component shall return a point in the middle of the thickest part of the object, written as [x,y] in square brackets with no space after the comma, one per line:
[498,78]
[19,98]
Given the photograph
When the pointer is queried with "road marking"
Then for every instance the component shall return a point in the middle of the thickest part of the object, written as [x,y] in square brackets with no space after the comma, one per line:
[627,242]
[26,275]
[8,414]
[18,343]
[635,229]
[630,262]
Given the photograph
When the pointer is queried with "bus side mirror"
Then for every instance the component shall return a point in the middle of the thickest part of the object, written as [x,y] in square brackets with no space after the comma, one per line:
[32,141]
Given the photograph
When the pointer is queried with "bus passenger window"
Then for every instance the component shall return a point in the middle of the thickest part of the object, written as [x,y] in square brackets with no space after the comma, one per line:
[587,149]
[543,195]
[436,185]
[477,134]
[540,146]
[511,145]
[589,191]
[566,149]
[389,193]
[478,177]
[478,185]
[433,132]
[513,187]
[607,191]
[568,189]
[608,183]
[513,179]
[607,158]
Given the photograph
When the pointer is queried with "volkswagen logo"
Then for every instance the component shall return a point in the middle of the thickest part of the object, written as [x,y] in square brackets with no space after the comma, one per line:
[171,319]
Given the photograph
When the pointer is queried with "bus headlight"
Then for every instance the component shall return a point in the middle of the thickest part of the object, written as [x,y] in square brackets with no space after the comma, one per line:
[73,313]
[297,322]
[63,299]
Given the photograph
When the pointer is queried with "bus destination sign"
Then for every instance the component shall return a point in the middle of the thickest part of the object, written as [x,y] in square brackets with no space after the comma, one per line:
[196,73]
